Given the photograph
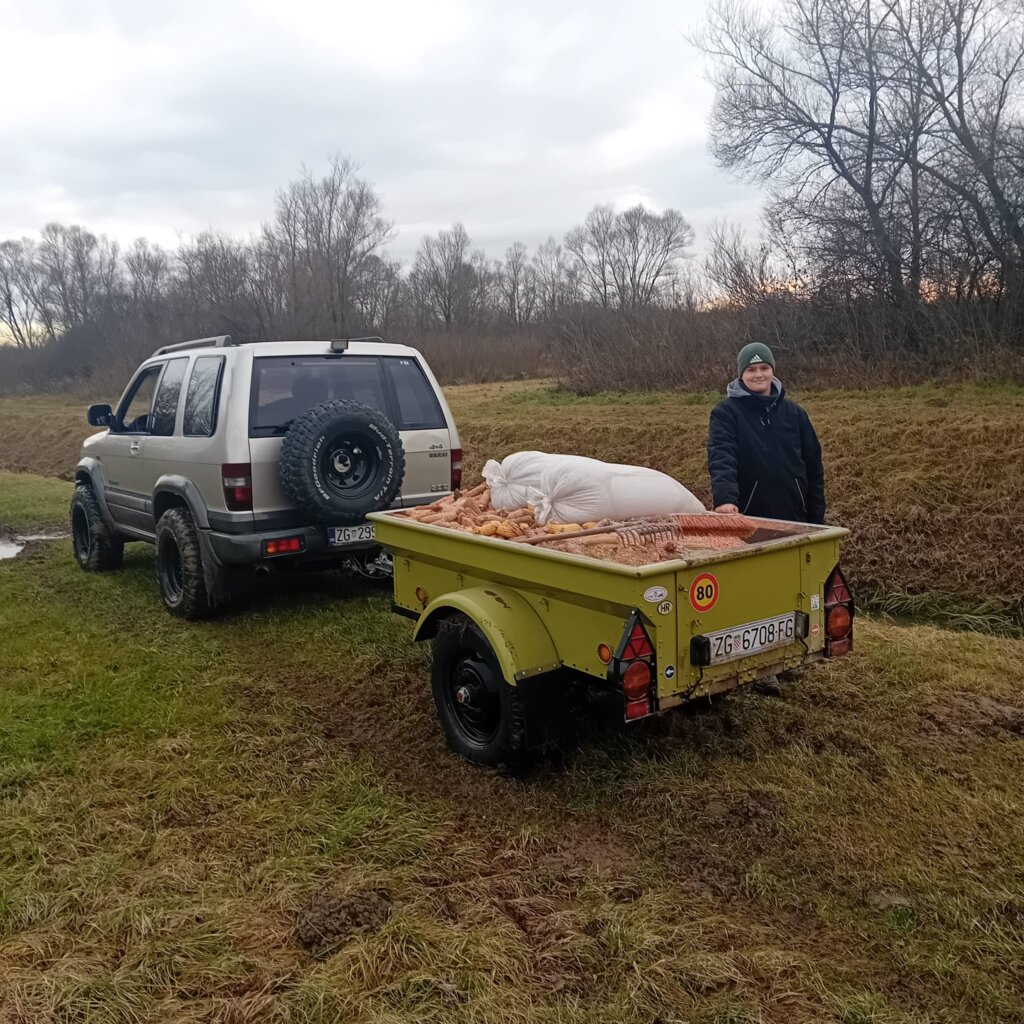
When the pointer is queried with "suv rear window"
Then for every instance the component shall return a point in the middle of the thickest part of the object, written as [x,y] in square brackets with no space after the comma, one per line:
[285,387]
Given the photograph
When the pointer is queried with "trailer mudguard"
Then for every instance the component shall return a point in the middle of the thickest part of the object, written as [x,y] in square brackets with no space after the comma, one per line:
[514,630]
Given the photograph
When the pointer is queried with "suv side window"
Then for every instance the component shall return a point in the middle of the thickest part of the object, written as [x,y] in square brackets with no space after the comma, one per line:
[418,407]
[201,397]
[133,412]
[165,405]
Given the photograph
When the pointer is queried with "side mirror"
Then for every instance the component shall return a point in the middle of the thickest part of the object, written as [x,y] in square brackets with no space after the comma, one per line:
[100,415]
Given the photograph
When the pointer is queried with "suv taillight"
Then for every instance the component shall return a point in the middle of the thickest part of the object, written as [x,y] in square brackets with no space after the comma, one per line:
[237,480]
[456,468]
[839,612]
[633,668]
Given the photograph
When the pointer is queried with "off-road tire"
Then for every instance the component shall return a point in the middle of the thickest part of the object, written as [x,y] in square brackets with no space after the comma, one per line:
[461,651]
[179,566]
[96,547]
[364,440]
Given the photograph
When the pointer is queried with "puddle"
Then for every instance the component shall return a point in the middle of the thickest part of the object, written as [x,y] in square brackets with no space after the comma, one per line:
[11,546]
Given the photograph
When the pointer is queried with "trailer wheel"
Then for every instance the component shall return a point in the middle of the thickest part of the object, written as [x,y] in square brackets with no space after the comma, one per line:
[480,713]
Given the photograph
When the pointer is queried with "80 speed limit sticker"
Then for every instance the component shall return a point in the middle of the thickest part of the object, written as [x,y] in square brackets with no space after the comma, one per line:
[704,592]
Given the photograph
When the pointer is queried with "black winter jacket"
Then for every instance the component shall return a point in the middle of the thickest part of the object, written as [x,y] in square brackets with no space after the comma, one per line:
[764,456]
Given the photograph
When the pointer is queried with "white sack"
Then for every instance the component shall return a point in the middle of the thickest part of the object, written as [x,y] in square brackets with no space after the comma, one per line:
[515,480]
[575,489]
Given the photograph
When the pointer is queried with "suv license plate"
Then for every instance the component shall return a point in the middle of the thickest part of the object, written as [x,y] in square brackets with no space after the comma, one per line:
[351,534]
[752,638]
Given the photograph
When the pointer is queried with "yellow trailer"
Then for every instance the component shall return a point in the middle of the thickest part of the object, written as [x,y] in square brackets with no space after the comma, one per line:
[517,627]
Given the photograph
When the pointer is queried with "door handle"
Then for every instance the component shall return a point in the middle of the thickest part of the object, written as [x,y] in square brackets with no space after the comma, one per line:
[135,447]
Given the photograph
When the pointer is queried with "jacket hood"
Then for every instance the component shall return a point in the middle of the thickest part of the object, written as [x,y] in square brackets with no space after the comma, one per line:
[737,390]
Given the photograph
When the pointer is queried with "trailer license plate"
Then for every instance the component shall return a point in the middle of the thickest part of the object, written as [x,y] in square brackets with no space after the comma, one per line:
[752,638]
[351,534]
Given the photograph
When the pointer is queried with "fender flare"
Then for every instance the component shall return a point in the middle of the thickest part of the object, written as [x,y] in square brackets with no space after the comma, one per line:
[517,635]
[185,489]
[91,470]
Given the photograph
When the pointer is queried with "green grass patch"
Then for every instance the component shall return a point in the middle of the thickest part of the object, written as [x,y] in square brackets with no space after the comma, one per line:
[30,503]
[174,797]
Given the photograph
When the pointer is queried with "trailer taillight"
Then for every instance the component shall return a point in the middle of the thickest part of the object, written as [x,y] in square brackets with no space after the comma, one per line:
[636,680]
[633,668]
[839,613]
[236,478]
[456,468]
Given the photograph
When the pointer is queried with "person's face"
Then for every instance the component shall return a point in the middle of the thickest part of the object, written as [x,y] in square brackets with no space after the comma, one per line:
[758,377]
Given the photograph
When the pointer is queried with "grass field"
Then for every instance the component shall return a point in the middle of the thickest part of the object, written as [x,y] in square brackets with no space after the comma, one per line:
[930,480]
[180,802]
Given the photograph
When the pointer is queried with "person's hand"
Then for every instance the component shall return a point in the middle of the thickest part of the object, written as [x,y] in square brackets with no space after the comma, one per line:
[726,508]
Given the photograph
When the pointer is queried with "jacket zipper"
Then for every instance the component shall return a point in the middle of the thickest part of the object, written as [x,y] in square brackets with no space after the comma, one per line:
[750,499]
[800,491]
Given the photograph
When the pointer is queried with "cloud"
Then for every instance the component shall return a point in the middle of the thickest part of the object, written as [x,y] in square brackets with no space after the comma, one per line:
[145,119]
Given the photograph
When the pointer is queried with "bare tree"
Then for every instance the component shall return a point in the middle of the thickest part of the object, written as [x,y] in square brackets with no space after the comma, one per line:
[799,105]
[81,272]
[325,228]
[556,282]
[376,293]
[623,259]
[645,250]
[517,284]
[738,271]
[967,57]
[23,311]
[439,276]
[591,246]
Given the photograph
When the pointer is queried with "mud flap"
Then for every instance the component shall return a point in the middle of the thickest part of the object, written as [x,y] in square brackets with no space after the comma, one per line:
[222,581]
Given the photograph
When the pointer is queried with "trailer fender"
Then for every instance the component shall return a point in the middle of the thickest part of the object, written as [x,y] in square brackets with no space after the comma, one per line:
[520,640]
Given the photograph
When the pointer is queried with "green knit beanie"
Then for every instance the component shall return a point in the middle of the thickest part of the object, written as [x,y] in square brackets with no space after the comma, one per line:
[755,352]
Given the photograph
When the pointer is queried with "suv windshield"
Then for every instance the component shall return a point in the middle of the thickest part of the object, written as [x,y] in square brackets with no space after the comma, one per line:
[285,387]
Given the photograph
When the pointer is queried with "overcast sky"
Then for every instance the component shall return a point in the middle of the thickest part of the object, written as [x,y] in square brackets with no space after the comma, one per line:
[136,118]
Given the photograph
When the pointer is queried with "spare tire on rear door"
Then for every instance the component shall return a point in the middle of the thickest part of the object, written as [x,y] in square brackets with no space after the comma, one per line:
[341,460]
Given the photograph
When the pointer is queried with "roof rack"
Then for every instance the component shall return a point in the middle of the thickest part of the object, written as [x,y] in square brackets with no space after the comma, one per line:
[222,341]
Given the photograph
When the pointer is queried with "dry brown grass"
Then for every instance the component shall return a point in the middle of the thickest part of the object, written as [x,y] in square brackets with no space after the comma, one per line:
[930,480]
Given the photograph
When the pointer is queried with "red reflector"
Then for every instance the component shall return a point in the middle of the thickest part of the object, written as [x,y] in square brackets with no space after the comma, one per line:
[839,621]
[838,647]
[638,645]
[836,590]
[636,680]
[637,708]
[286,546]
[456,468]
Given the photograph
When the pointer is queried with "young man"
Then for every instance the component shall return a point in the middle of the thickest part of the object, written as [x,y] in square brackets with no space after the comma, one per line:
[763,454]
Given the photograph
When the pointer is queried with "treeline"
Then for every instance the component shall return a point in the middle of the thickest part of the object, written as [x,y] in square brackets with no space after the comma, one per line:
[320,269]
[888,136]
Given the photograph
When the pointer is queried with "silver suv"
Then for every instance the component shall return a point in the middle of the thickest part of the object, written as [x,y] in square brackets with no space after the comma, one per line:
[234,457]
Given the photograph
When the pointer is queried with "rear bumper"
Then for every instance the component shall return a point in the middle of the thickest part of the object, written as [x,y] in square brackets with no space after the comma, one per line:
[741,677]
[242,549]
